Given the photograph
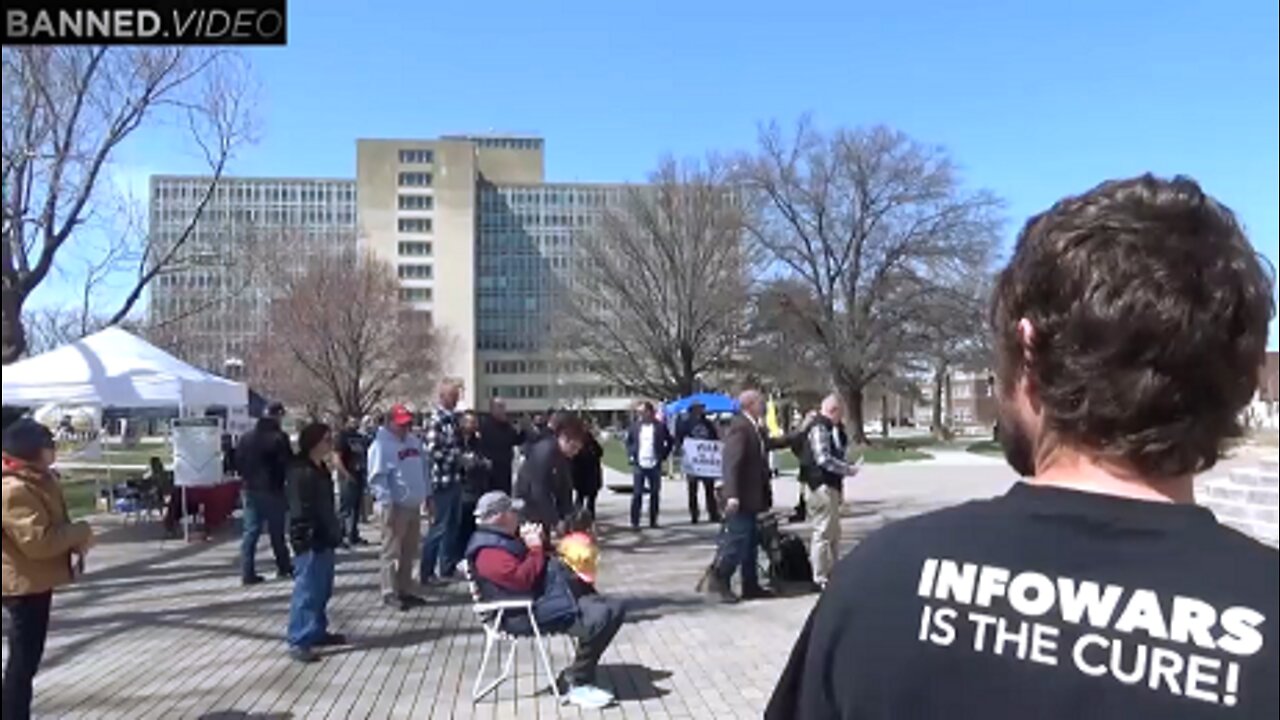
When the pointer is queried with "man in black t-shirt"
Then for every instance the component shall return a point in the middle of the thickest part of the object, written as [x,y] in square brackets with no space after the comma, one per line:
[1128,327]
[352,449]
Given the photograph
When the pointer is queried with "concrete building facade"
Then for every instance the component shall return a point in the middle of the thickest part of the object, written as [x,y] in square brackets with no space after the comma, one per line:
[485,245]
[210,302]
[477,238]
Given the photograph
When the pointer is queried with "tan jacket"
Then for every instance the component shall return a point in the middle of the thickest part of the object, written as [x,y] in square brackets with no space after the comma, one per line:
[38,535]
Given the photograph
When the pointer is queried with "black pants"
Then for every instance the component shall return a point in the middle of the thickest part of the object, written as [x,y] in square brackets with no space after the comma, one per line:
[739,549]
[598,621]
[28,628]
[709,492]
[352,507]
[583,499]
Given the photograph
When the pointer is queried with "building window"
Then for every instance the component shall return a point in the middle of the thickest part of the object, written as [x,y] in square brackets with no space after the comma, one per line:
[416,157]
[413,248]
[414,225]
[414,272]
[415,294]
[415,179]
[417,202]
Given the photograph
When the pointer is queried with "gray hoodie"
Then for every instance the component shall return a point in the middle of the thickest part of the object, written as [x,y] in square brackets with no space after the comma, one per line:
[398,469]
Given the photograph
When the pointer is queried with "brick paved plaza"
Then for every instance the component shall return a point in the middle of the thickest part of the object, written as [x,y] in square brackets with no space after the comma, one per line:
[163,629]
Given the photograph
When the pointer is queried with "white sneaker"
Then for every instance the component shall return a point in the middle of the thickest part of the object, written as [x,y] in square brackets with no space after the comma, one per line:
[589,697]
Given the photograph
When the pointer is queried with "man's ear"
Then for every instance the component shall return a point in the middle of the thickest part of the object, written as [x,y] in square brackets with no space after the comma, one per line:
[1026,386]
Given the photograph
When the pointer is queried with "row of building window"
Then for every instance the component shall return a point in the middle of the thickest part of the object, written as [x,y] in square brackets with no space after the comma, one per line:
[413,248]
[562,392]
[416,202]
[413,224]
[414,272]
[505,198]
[535,219]
[414,179]
[276,215]
[416,157]
[518,392]
[509,143]
[504,341]
[535,367]
[415,294]
[264,191]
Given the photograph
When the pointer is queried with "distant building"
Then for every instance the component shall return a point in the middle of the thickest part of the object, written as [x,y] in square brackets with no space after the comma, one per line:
[482,243]
[215,296]
[968,400]
[479,240]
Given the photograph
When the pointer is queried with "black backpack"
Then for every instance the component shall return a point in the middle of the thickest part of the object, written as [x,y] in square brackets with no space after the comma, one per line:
[792,562]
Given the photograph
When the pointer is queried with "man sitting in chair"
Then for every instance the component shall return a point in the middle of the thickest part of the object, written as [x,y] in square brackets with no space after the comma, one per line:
[510,562]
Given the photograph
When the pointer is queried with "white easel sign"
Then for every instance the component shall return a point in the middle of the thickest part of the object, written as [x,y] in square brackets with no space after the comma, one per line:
[700,458]
[197,452]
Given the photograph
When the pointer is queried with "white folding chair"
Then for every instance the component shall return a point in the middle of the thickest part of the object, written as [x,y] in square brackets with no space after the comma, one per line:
[491,614]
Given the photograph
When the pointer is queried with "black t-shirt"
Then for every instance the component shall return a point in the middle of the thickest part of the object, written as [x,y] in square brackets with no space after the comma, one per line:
[1043,604]
[353,447]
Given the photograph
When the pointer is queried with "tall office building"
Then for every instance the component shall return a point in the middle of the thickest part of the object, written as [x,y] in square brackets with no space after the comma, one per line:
[477,237]
[481,242]
[211,302]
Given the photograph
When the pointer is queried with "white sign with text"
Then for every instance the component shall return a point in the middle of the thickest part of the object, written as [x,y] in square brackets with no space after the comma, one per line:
[700,458]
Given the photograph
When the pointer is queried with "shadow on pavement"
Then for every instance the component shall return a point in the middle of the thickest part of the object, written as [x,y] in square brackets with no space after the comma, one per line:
[630,682]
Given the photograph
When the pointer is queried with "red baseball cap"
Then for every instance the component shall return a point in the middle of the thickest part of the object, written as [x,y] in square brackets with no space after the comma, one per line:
[400,415]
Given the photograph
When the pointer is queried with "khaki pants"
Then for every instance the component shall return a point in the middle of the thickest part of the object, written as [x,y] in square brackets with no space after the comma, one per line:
[824,512]
[401,539]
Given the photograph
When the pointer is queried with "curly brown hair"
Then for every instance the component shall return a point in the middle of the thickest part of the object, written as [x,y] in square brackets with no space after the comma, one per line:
[1151,312]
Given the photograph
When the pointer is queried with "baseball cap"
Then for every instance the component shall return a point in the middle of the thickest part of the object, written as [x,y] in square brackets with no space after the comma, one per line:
[400,415]
[494,503]
[25,438]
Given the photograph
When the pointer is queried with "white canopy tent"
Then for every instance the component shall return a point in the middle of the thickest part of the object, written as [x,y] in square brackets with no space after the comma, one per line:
[113,368]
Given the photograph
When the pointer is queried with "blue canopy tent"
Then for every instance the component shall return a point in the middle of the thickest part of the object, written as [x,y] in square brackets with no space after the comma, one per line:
[712,402]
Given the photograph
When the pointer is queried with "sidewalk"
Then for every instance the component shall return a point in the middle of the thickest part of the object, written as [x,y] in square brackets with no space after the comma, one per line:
[163,630]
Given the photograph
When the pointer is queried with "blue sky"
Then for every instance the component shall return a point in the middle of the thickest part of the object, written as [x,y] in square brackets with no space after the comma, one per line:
[1035,99]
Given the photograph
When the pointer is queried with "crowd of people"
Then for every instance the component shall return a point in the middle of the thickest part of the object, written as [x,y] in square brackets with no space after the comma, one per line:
[1128,326]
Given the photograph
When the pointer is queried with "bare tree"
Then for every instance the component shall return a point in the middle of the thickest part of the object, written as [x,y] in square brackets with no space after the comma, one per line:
[780,348]
[661,288]
[339,338]
[66,113]
[876,226]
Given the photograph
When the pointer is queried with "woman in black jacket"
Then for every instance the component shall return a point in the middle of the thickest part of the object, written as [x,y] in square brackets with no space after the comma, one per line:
[588,476]
[314,532]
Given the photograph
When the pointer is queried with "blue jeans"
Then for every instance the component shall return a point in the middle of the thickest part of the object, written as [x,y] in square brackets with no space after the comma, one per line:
[739,548]
[652,477]
[312,588]
[270,510]
[441,543]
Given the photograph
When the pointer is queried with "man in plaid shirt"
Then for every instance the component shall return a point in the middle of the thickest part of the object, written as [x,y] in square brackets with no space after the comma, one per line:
[444,453]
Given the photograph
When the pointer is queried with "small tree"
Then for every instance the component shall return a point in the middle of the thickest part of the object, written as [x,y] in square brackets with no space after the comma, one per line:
[339,338]
[660,293]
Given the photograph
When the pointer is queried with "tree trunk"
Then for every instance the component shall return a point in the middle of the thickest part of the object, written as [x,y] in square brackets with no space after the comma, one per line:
[884,414]
[852,397]
[939,378]
[14,342]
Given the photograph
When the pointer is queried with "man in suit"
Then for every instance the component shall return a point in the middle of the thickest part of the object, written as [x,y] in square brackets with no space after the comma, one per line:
[648,445]
[745,470]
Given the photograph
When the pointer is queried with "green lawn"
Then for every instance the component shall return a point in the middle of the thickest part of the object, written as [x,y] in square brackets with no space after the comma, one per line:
[986,447]
[79,495]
